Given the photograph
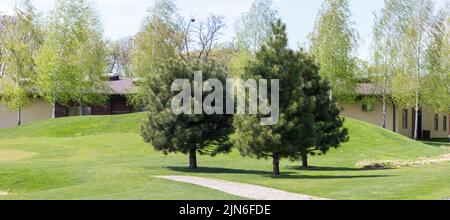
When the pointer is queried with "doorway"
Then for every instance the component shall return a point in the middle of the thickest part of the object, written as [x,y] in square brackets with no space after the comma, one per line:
[419,130]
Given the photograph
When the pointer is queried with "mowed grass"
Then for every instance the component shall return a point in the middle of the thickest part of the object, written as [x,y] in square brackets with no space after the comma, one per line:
[104,157]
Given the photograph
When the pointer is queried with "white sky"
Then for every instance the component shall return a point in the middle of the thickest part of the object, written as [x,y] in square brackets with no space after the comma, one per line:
[122,18]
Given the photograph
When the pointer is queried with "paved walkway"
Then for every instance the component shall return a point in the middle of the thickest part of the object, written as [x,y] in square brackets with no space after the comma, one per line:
[241,189]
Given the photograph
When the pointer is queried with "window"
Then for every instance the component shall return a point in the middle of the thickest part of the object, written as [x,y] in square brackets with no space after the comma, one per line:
[88,110]
[436,122]
[367,107]
[444,125]
[405,119]
[75,111]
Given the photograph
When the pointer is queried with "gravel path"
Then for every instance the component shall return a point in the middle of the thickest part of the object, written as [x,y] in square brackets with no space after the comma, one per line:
[241,189]
[400,163]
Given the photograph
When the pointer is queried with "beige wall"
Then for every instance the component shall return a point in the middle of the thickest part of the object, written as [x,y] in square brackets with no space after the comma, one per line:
[428,124]
[39,110]
[408,131]
[354,110]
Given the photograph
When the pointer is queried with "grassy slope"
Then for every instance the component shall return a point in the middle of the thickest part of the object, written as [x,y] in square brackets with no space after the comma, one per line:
[105,158]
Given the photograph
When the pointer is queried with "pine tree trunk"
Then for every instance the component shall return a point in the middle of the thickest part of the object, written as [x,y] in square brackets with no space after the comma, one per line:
[19,117]
[276,164]
[193,159]
[305,160]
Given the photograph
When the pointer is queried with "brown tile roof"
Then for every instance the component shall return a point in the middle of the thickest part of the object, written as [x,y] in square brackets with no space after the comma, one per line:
[369,89]
[122,86]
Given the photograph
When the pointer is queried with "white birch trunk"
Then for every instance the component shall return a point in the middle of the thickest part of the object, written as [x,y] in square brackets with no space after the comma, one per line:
[54,106]
[19,117]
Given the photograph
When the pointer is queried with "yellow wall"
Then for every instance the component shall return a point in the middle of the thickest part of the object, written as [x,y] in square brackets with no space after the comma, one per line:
[428,124]
[408,131]
[354,110]
[39,110]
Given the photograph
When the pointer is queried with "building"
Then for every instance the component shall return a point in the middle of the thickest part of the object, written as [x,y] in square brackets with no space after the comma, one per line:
[117,103]
[399,120]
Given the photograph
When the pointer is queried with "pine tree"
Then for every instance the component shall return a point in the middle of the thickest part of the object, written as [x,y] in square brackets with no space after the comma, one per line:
[185,133]
[321,126]
[273,61]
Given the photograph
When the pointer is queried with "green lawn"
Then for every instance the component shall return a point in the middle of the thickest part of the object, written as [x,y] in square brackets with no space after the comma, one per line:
[105,158]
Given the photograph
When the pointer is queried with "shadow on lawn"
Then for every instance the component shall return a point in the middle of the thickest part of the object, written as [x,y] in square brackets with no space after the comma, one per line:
[285,175]
[311,168]
[442,142]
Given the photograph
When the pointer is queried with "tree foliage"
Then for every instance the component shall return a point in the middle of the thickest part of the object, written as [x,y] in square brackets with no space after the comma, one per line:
[166,35]
[72,62]
[119,56]
[309,121]
[421,71]
[333,44]
[254,26]
[184,133]
[167,48]
[156,42]
[252,30]
[386,48]
[273,61]
[21,38]
[437,83]
[319,124]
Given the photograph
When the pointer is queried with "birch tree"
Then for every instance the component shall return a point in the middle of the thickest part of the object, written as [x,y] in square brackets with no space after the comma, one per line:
[157,41]
[21,38]
[72,61]
[254,26]
[252,29]
[437,84]
[333,44]
[409,85]
[386,32]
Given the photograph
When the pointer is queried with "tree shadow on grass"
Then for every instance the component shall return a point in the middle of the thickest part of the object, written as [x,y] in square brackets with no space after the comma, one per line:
[442,142]
[214,170]
[284,175]
[312,168]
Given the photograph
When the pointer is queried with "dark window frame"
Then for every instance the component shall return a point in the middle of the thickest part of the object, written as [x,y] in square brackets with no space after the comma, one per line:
[445,121]
[367,107]
[405,119]
[436,122]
